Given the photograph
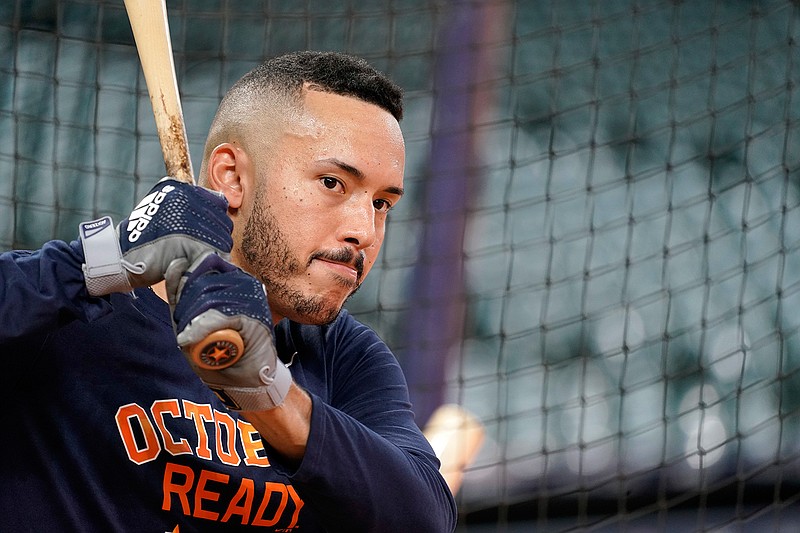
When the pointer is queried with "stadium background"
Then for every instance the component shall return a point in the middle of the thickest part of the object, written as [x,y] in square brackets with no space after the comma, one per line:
[598,254]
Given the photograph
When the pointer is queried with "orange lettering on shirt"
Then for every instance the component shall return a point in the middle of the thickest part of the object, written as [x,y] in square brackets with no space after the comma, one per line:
[254,452]
[197,497]
[203,493]
[246,491]
[298,504]
[180,489]
[171,407]
[226,451]
[258,519]
[126,416]
[200,414]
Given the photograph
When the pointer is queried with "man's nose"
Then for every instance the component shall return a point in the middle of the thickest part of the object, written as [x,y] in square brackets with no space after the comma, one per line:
[358,224]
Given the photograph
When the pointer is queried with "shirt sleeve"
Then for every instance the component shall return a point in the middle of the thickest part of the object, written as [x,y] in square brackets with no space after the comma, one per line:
[44,289]
[367,466]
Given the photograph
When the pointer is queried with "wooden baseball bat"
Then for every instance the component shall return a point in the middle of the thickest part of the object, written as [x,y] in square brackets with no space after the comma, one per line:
[456,436]
[150,27]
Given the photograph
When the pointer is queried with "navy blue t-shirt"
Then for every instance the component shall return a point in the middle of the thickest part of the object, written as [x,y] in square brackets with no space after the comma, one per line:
[106,428]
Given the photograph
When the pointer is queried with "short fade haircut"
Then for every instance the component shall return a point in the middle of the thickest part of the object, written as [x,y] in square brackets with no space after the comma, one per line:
[331,72]
[281,81]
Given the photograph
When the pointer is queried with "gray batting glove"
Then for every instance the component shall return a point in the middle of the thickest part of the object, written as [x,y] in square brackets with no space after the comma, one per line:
[213,296]
[169,229]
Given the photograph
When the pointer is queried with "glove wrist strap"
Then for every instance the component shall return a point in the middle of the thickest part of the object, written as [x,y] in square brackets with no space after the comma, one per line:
[268,396]
[103,271]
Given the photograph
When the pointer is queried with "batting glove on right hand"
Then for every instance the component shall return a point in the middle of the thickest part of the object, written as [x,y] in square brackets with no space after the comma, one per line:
[168,230]
[214,295]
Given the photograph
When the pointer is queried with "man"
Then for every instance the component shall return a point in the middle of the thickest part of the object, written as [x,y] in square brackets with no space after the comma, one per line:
[106,426]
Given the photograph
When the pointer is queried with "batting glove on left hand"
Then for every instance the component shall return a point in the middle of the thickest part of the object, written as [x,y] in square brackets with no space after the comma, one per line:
[214,295]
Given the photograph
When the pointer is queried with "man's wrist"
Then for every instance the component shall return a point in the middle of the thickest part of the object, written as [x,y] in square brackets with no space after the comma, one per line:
[259,398]
[103,270]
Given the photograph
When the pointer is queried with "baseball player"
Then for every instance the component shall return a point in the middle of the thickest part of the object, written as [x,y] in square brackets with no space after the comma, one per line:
[112,422]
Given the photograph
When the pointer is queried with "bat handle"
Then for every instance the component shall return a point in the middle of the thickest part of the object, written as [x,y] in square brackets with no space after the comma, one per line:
[219,350]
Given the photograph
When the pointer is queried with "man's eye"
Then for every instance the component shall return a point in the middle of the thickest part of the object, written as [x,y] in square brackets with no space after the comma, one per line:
[330,183]
[382,205]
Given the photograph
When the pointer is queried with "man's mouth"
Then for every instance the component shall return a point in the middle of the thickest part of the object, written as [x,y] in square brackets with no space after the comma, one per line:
[344,262]
[341,269]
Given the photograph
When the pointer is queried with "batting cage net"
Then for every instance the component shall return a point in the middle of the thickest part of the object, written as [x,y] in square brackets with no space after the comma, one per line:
[598,254]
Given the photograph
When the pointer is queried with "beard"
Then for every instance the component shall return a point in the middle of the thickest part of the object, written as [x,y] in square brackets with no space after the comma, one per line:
[270,259]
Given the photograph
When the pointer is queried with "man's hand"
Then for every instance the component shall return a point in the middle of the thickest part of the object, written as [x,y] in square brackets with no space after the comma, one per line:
[168,230]
[214,295]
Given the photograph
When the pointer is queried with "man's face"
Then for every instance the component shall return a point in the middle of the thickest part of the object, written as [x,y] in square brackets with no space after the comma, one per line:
[317,219]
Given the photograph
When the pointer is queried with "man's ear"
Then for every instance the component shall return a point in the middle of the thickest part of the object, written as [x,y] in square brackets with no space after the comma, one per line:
[227,171]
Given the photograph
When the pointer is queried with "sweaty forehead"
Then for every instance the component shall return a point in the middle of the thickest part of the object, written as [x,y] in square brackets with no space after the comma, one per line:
[346,129]
[324,108]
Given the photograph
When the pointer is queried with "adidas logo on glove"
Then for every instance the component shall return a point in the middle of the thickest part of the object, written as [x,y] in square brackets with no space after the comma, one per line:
[142,214]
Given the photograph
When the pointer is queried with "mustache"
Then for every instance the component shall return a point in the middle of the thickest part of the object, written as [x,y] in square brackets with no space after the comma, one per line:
[342,255]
